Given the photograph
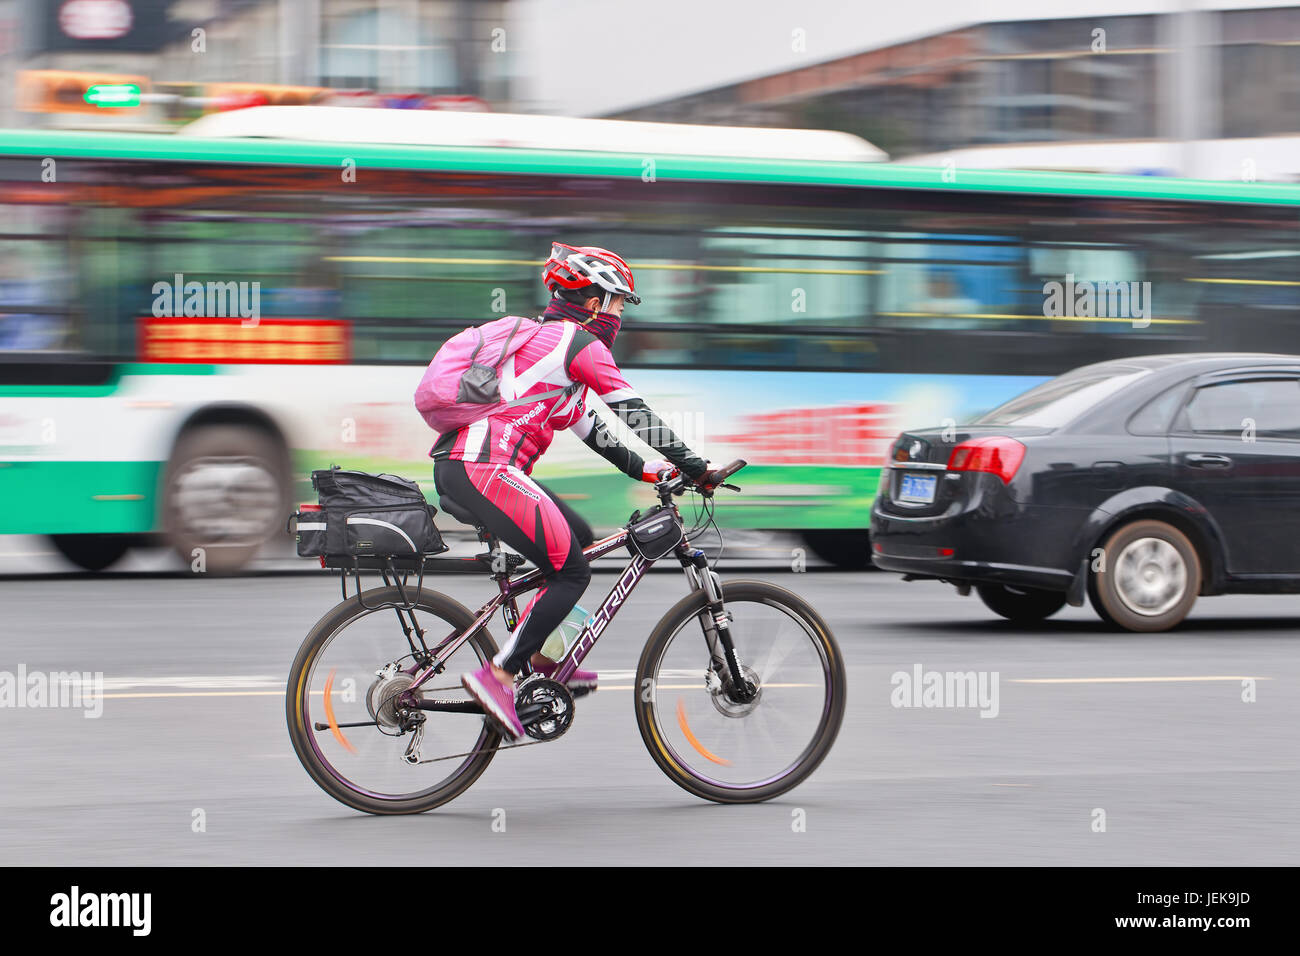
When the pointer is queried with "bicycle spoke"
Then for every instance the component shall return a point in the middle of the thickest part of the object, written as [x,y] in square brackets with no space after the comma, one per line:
[360,673]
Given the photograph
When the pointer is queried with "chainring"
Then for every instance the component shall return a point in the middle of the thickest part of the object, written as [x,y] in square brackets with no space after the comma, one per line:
[556,702]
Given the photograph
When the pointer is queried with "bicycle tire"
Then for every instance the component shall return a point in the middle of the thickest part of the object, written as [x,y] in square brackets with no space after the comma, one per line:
[647,667]
[337,618]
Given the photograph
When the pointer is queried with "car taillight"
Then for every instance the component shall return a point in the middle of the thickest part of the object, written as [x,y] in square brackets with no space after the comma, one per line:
[998,456]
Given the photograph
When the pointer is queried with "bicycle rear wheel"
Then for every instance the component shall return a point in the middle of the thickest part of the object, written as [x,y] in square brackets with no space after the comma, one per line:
[732,751]
[349,671]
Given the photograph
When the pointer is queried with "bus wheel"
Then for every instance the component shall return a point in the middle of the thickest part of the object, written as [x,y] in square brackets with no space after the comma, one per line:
[91,552]
[225,493]
[844,549]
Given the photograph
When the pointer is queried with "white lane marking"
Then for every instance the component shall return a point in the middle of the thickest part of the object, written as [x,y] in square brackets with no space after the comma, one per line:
[202,693]
[249,685]
[1126,680]
[317,693]
[215,681]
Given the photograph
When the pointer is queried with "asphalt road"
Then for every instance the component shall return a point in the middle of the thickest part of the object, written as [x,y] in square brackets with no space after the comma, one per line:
[1184,769]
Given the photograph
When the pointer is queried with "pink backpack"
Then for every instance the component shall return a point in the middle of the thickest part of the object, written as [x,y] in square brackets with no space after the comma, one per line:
[457,390]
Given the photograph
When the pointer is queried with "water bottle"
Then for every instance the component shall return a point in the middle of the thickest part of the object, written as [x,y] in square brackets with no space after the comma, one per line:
[562,638]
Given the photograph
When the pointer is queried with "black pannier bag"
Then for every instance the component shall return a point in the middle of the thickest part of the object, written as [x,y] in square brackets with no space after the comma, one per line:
[656,534]
[363,515]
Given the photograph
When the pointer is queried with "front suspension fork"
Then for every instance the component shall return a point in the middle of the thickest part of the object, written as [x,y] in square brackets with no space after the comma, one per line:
[717,630]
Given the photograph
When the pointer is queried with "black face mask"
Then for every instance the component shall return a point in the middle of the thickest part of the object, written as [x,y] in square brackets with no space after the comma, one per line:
[603,325]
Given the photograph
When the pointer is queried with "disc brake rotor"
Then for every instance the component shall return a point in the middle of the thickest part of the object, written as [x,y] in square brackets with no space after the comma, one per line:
[724,704]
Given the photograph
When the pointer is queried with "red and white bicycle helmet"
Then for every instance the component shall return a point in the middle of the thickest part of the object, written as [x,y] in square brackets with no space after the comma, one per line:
[573,269]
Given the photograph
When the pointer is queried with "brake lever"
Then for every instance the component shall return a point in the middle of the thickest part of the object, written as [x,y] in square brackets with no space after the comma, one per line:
[732,487]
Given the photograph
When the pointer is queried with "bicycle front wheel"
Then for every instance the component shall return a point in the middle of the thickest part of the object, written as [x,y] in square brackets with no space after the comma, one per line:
[711,741]
[343,717]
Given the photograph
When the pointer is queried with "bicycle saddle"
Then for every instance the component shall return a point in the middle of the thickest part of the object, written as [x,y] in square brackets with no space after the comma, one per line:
[458,511]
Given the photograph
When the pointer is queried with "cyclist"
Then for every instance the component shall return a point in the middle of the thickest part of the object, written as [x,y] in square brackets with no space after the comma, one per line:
[485,466]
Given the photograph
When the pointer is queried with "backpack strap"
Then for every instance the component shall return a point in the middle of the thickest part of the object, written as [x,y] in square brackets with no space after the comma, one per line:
[502,357]
[535,398]
[479,333]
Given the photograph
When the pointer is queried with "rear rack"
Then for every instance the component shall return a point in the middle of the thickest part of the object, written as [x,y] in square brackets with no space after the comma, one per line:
[395,572]
[478,562]
[345,562]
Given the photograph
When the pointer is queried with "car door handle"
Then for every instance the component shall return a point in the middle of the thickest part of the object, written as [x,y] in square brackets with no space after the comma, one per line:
[1209,461]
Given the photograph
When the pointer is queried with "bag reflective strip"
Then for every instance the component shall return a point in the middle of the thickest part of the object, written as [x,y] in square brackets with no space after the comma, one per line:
[313,526]
[384,524]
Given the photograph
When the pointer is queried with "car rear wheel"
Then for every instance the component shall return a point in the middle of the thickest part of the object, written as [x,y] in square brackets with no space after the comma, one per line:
[850,550]
[1022,605]
[1147,579]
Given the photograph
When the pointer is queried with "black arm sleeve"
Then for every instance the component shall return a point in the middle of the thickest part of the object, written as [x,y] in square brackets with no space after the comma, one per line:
[649,427]
[603,442]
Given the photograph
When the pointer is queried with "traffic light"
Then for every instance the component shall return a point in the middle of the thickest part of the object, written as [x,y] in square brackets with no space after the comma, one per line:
[64,91]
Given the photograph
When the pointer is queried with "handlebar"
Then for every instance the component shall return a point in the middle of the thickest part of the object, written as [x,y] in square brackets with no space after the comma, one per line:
[718,476]
[706,483]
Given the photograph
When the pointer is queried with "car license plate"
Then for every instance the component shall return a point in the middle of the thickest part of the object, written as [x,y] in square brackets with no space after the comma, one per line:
[918,488]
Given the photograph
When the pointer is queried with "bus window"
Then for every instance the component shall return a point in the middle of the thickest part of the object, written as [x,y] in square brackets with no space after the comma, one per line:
[37,288]
[949,282]
[1247,281]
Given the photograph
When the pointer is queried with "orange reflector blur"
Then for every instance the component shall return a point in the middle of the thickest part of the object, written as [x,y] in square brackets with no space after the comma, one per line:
[690,737]
[329,715]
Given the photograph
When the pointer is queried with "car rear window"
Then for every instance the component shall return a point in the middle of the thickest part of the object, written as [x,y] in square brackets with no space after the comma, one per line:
[1064,398]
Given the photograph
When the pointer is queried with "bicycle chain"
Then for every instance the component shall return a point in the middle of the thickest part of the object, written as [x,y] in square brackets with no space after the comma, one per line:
[471,753]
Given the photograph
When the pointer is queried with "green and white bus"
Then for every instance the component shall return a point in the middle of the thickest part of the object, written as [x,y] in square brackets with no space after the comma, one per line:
[189,324]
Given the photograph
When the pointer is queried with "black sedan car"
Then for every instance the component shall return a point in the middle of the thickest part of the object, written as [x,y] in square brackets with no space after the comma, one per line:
[1141,482]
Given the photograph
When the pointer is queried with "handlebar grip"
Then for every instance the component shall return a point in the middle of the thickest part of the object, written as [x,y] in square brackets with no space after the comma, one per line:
[726,471]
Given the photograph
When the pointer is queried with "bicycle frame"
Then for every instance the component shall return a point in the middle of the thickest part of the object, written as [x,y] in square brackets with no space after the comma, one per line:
[511,589]
[693,562]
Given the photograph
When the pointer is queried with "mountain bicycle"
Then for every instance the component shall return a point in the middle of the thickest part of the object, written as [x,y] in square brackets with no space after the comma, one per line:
[739,692]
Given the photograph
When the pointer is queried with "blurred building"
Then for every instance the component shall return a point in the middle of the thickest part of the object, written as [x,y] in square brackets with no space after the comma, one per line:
[212,52]
[1195,76]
